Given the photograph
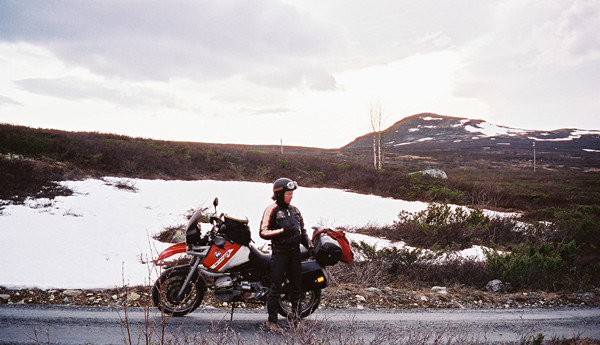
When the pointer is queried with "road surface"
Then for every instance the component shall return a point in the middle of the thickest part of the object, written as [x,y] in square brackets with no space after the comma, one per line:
[37,324]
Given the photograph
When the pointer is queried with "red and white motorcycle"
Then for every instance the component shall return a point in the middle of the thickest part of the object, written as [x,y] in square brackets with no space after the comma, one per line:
[223,261]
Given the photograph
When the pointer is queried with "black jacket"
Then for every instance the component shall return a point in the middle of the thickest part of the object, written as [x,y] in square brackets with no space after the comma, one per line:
[283,225]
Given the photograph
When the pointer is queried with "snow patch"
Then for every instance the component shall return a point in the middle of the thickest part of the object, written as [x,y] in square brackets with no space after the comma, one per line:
[102,233]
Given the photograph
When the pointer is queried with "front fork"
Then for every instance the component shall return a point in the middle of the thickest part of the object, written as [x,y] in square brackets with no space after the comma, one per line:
[193,269]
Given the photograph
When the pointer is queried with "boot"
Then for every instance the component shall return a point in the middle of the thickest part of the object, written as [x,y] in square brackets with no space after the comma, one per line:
[274,327]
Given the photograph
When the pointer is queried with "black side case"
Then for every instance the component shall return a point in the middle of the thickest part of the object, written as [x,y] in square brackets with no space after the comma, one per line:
[313,276]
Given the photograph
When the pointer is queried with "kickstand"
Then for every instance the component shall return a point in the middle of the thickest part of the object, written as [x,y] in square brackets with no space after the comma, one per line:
[232,308]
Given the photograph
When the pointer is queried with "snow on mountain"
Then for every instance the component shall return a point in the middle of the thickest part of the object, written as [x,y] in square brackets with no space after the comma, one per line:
[432,129]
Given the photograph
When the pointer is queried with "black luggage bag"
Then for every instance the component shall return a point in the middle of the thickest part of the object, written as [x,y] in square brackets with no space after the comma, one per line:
[327,250]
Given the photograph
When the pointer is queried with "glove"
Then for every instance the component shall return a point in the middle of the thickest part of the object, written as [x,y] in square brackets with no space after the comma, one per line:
[290,230]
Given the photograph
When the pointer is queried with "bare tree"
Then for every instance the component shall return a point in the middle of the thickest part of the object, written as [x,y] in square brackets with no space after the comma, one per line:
[375,115]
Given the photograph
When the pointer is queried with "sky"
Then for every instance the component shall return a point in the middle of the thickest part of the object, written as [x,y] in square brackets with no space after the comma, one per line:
[295,72]
[82,241]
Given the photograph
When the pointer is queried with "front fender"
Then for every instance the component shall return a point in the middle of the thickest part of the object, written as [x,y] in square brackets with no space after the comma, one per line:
[177,248]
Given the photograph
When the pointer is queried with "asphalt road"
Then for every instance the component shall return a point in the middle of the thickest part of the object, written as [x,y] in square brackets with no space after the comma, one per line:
[37,324]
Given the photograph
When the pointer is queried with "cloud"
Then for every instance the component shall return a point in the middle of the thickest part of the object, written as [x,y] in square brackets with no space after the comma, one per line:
[246,65]
[532,70]
[159,40]
[570,38]
[78,89]
[7,101]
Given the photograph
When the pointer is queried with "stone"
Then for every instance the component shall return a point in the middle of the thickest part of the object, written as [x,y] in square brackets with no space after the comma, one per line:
[437,173]
[439,289]
[132,297]
[495,285]
[72,293]
[4,297]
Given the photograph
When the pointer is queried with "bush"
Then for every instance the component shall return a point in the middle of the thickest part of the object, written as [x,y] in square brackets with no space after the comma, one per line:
[441,226]
[21,178]
[545,266]
[582,223]
[406,266]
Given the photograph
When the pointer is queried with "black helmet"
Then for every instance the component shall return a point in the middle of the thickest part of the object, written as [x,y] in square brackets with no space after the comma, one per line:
[281,186]
[284,184]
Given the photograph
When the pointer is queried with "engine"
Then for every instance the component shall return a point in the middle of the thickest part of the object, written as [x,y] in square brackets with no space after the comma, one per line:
[227,289]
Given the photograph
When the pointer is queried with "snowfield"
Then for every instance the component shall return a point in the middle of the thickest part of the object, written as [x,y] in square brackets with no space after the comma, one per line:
[101,236]
[98,237]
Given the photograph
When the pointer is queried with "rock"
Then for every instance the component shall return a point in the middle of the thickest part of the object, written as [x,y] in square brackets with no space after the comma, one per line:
[72,293]
[439,289]
[424,298]
[497,285]
[4,297]
[132,297]
[66,300]
[437,173]
[374,289]
[494,285]
[360,298]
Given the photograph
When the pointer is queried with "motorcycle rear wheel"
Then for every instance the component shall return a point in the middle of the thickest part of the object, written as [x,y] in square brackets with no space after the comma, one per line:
[309,302]
[166,289]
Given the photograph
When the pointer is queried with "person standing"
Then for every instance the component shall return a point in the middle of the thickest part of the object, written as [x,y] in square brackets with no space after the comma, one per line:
[283,225]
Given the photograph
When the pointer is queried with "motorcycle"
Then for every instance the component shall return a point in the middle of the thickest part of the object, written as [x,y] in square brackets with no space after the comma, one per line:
[223,261]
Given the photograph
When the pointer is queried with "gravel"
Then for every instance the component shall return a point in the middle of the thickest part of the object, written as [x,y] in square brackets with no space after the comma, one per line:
[346,296]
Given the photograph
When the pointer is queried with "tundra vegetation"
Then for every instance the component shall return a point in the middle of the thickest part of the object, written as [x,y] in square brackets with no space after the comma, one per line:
[550,244]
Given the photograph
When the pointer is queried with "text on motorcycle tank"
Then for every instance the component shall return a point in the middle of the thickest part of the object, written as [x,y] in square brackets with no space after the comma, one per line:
[230,255]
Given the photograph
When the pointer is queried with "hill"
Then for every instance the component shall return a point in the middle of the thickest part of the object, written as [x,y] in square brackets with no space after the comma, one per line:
[32,160]
[562,148]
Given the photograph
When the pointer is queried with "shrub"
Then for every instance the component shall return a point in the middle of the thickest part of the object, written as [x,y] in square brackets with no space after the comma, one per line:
[582,222]
[545,266]
[442,226]
[20,178]
[408,266]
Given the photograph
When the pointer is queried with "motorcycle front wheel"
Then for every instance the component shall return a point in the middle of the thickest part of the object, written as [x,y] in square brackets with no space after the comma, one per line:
[309,302]
[166,290]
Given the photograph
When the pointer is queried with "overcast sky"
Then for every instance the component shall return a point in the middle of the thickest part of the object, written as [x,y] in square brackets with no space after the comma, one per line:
[258,71]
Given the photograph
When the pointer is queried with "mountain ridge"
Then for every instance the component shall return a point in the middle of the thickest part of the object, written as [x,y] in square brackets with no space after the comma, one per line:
[431,131]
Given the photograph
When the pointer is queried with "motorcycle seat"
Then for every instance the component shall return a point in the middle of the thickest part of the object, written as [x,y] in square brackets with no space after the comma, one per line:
[259,259]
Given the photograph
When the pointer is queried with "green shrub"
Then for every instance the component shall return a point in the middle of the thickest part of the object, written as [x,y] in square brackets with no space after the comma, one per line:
[22,178]
[283,162]
[545,266]
[441,226]
[408,266]
[582,222]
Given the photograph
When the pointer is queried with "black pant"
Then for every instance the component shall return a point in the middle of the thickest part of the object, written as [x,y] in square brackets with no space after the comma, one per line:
[284,262]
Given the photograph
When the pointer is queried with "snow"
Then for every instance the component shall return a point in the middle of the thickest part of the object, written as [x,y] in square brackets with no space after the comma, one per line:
[416,141]
[98,237]
[491,130]
[429,118]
